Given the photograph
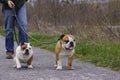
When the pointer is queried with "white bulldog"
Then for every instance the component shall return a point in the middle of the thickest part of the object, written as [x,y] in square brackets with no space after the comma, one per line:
[24,54]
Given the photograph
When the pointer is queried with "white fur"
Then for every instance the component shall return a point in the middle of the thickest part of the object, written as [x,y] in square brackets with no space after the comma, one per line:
[21,58]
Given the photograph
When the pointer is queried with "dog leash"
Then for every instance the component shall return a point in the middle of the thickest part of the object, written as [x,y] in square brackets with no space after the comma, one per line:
[17,20]
[14,15]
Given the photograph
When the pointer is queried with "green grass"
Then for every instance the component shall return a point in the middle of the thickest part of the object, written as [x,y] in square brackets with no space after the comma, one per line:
[2,31]
[45,41]
[105,53]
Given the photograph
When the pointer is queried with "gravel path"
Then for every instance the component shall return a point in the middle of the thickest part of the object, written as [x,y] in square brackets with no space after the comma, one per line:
[44,69]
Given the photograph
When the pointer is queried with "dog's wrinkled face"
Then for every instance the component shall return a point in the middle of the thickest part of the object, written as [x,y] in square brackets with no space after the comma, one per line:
[26,48]
[68,42]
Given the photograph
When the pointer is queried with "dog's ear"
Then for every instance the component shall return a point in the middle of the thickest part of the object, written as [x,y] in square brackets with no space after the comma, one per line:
[61,37]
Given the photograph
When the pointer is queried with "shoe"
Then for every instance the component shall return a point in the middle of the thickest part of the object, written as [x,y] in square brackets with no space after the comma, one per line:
[9,55]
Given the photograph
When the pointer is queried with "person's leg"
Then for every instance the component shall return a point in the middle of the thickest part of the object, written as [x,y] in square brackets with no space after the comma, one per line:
[9,31]
[22,24]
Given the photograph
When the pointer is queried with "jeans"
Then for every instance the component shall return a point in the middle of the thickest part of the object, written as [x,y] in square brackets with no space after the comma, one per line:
[9,21]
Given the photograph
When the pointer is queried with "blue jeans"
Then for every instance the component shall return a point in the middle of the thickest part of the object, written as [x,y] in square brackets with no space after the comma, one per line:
[9,21]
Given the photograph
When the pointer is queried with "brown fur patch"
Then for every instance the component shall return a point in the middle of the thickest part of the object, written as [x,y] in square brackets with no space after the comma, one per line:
[57,51]
[65,38]
[70,59]
[30,60]
[24,46]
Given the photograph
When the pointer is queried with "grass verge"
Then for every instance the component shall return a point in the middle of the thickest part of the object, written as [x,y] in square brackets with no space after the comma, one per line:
[105,53]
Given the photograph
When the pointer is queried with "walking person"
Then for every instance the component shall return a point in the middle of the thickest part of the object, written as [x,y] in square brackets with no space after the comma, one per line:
[10,22]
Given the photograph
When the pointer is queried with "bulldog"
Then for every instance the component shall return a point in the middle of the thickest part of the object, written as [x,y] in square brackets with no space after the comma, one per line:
[24,54]
[65,47]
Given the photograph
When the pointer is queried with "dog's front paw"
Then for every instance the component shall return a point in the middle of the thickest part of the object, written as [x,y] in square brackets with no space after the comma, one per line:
[30,66]
[59,68]
[70,68]
[18,67]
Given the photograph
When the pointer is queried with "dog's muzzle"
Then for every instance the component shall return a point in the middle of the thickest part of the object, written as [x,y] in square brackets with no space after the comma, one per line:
[71,46]
[26,52]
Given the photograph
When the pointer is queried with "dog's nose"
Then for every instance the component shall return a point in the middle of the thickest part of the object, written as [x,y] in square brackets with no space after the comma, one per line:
[27,50]
[71,44]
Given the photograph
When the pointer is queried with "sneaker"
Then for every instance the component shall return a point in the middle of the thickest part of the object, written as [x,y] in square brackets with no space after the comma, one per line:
[9,55]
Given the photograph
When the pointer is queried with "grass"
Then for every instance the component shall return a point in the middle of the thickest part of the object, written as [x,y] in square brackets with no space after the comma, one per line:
[45,41]
[2,31]
[105,53]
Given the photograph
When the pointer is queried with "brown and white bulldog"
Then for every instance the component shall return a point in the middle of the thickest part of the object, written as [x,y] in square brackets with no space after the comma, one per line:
[65,47]
[24,54]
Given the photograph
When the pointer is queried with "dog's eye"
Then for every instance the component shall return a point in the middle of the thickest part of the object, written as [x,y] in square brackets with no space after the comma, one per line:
[30,44]
[74,39]
[29,48]
[67,41]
